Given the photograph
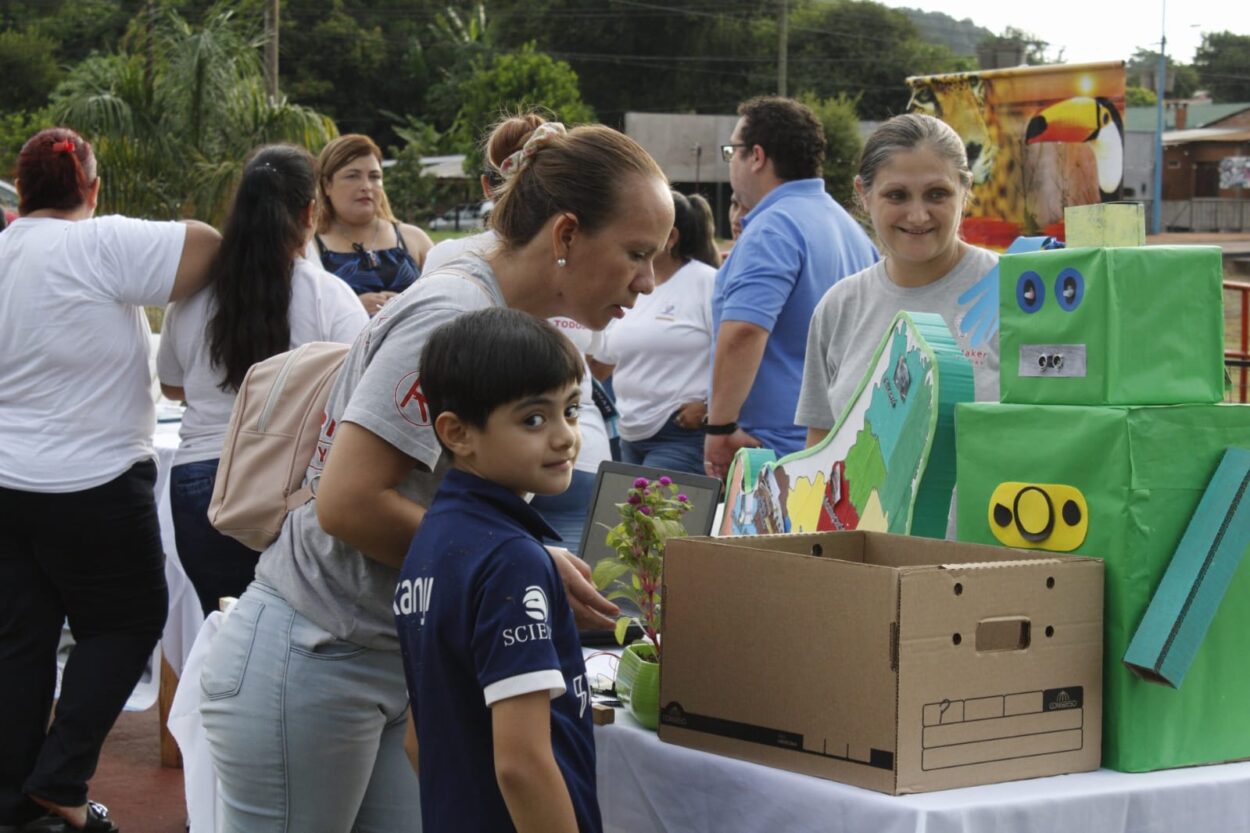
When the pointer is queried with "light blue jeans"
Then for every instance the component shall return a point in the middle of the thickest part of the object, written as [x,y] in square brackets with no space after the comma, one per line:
[306,730]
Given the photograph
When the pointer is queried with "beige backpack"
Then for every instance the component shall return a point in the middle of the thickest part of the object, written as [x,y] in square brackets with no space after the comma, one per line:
[273,431]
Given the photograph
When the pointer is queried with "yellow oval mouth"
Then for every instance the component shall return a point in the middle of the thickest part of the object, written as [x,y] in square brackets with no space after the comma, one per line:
[1040,516]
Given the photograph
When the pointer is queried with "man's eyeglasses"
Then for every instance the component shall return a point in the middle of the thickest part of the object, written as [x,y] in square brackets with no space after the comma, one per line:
[727,151]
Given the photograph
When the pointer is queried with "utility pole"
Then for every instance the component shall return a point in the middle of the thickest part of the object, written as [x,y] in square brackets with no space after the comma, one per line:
[271,50]
[783,39]
[1156,204]
[149,44]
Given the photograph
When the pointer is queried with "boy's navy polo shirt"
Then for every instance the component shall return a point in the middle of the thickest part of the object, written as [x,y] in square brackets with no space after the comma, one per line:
[482,617]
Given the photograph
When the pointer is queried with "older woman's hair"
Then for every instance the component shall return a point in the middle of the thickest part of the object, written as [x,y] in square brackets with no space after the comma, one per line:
[581,172]
[907,132]
[55,170]
[334,156]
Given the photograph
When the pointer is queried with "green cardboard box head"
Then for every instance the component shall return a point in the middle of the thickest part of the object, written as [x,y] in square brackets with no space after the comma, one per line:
[1115,326]
[1120,483]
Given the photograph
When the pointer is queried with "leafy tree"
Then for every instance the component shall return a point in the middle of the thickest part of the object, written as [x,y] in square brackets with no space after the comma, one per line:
[510,82]
[864,50]
[15,129]
[28,68]
[172,124]
[1223,64]
[842,143]
[412,192]
[1139,97]
[455,44]
[1033,47]
[1143,67]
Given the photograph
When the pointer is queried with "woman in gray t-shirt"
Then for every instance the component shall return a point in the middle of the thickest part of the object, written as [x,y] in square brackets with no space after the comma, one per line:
[913,183]
[304,696]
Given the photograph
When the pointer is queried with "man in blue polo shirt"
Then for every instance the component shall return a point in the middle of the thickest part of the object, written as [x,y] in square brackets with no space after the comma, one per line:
[494,665]
[796,243]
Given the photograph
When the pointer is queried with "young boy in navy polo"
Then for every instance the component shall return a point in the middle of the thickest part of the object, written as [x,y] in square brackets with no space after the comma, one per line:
[491,652]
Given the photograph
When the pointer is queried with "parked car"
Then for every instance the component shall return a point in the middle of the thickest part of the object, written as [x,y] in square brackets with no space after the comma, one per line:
[8,203]
[463,218]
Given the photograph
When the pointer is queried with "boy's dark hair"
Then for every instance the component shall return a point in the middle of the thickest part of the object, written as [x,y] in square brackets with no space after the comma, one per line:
[487,358]
[788,132]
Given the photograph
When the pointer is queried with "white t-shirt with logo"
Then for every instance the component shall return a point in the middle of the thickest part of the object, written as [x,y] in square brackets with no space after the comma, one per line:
[595,445]
[323,308]
[662,350]
[76,407]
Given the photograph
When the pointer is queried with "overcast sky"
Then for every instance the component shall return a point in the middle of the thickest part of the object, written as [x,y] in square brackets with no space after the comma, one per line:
[1101,30]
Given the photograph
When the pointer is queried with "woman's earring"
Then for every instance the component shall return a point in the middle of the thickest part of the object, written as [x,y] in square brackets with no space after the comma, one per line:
[561,262]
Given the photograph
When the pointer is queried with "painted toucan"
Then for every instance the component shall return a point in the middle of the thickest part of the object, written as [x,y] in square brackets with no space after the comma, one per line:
[1091,120]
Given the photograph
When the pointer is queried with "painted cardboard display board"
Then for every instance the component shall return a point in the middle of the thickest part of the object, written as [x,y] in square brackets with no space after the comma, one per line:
[895,663]
[1112,326]
[1140,473]
[888,465]
[1038,138]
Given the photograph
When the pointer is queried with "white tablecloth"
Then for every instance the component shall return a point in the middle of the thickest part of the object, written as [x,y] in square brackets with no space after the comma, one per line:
[646,786]
[185,615]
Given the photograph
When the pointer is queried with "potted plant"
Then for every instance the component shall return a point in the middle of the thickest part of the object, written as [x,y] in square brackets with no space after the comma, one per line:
[651,514]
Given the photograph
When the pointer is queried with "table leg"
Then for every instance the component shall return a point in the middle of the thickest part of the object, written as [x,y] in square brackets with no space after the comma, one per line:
[171,755]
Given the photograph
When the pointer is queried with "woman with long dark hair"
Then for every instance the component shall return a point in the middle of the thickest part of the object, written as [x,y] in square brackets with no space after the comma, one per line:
[79,535]
[658,355]
[264,299]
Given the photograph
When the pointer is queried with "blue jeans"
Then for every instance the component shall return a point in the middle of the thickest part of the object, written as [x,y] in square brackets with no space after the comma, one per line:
[567,511]
[306,731]
[672,447]
[217,564]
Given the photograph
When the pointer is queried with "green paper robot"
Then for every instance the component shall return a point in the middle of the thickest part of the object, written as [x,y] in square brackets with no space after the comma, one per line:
[1108,433]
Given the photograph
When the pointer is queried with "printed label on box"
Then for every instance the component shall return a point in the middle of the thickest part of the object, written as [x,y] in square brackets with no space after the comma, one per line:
[1002,727]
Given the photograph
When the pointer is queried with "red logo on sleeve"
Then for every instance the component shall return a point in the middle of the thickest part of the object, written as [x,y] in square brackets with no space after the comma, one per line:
[410,401]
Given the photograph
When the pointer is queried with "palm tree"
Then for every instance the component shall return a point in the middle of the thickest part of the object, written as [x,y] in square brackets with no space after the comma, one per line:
[173,117]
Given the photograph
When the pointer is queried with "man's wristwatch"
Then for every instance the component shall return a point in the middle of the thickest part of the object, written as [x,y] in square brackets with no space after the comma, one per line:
[718,430]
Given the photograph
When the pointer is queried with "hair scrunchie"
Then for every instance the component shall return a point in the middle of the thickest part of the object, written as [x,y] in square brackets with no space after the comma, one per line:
[66,146]
[542,135]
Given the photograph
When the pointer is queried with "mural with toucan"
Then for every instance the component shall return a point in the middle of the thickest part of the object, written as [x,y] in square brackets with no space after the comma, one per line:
[1039,139]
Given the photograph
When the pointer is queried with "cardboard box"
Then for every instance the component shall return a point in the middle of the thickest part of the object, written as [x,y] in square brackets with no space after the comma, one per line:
[1140,474]
[1104,224]
[895,663]
[1120,326]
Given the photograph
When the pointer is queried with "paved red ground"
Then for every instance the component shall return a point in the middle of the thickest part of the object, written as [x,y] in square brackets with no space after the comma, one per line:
[142,796]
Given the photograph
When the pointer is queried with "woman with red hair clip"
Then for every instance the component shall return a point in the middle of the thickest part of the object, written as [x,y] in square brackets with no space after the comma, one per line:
[79,536]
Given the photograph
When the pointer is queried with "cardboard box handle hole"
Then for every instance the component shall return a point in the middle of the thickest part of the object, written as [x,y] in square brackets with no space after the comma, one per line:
[1004,634]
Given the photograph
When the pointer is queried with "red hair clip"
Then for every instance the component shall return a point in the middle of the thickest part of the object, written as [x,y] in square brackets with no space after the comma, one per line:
[66,146]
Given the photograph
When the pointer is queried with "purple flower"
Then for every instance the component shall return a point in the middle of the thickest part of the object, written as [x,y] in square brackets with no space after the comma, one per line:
[634,499]
[641,483]
[683,498]
[666,481]
[646,510]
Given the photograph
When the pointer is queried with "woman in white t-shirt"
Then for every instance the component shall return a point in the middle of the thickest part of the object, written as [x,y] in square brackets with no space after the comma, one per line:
[659,354]
[264,299]
[913,183]
[79,535]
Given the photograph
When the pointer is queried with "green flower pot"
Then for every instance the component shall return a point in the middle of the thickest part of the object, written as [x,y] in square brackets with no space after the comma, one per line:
[638,683]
